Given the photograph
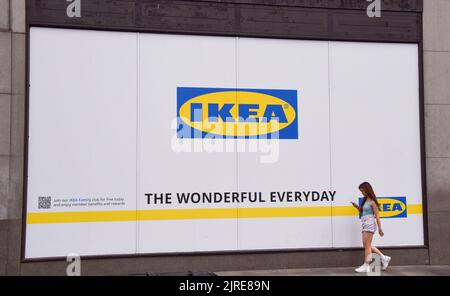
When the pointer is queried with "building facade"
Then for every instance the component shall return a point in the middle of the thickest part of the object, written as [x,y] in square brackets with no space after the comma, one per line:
[401,21]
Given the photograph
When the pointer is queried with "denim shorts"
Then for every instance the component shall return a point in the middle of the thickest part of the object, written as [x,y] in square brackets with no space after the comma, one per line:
[369,224]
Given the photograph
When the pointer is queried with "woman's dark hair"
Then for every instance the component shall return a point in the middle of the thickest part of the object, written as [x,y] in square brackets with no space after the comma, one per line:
[368,190]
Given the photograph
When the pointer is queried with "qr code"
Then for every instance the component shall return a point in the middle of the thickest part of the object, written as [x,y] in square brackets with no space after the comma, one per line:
[45,202]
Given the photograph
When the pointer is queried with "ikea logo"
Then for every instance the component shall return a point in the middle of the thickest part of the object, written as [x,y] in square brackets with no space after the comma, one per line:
[236,113]
[391,207]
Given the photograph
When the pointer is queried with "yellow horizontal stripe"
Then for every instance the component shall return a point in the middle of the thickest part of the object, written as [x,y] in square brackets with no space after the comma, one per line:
[198,214]
[76,217]
[187,214]
[284,212]
[414,209]
[344,211]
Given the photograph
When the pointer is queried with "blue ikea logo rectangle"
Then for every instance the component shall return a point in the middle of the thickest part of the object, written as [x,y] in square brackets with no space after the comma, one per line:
[237,113]
[391,207]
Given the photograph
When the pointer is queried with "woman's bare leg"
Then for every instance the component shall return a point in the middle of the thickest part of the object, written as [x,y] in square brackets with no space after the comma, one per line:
[376,251]
[367,242]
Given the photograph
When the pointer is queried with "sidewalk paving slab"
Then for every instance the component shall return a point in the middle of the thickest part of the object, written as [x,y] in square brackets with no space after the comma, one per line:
[414,270]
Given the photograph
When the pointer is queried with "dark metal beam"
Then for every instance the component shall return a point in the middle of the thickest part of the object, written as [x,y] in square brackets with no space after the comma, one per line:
[298,19]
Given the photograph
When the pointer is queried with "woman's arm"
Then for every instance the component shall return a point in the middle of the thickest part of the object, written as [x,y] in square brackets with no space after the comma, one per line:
[376,213]
[356,206]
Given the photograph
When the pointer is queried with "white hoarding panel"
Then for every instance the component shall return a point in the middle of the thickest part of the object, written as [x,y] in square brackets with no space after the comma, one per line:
[292,165]
[152,143]
[175,166]
[82,142]
[375,135]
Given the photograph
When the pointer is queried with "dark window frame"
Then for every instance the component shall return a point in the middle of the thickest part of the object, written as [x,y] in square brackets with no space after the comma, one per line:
[329,20]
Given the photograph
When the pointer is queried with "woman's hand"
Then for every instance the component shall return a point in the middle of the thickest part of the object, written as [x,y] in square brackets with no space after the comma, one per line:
[380,231]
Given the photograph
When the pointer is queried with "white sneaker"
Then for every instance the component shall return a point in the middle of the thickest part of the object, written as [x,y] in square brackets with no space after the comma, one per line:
[363,268]
[385,262]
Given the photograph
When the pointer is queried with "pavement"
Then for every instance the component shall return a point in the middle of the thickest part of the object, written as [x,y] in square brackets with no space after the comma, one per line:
[412,270]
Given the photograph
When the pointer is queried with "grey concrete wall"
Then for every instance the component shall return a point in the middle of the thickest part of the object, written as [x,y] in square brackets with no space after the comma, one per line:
[437,123]
[12,105]
[12,89]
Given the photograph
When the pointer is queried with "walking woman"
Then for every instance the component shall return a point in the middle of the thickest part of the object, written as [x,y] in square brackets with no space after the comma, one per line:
[370,218]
